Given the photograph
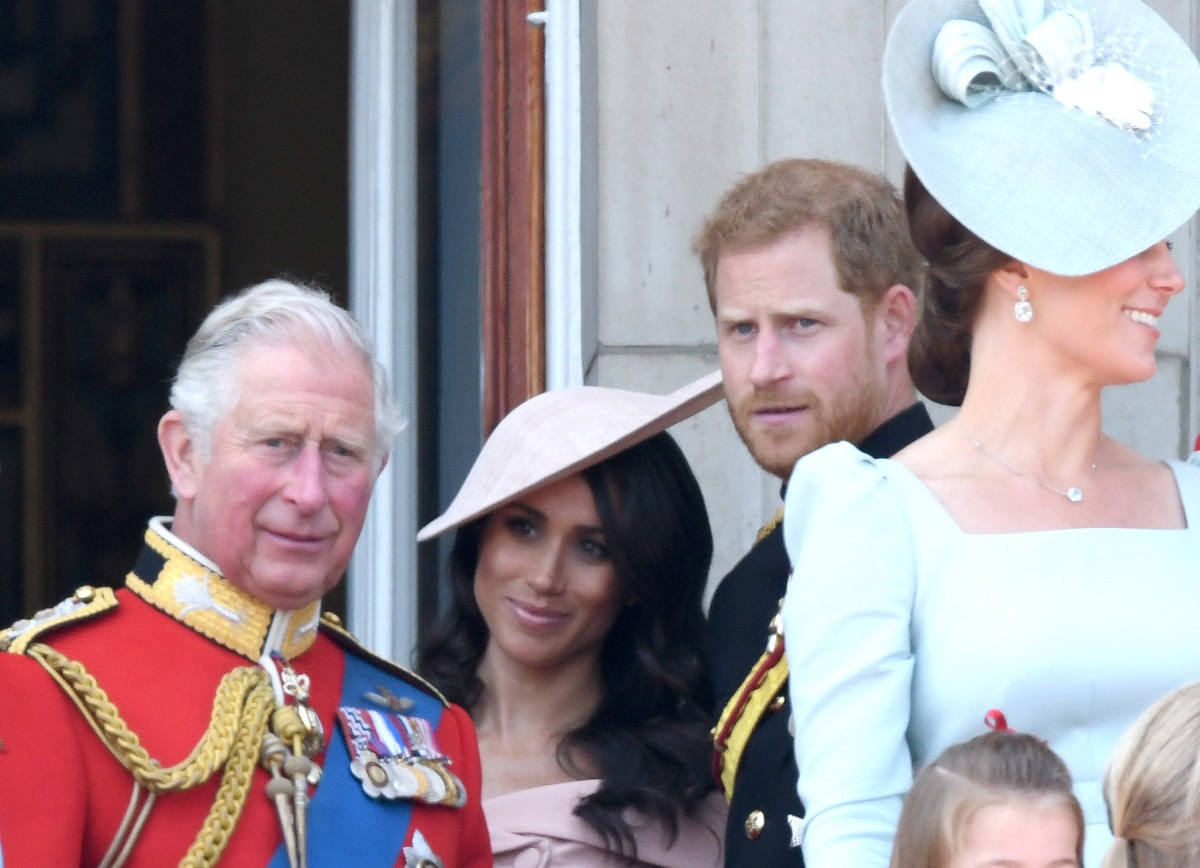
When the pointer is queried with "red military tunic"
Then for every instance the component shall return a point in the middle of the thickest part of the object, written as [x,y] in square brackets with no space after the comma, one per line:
[159,648]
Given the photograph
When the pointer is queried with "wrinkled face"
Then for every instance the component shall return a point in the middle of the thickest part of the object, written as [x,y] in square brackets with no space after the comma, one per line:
[801,362]
[281,500]
[1107,321]
[1020,835]
[544,582]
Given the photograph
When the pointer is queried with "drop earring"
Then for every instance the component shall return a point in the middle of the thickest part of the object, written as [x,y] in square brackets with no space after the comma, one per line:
[1023,310]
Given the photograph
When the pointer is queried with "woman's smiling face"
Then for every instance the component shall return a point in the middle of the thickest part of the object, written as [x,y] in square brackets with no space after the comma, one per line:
[1108,320]
[545,583]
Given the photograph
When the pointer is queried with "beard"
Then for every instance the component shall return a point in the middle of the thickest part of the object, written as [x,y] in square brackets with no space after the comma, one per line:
[851,413]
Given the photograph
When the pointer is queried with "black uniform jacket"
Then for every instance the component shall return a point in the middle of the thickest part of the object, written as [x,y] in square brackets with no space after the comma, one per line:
[741,610]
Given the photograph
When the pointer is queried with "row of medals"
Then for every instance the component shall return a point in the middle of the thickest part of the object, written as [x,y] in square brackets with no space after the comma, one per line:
[394,778]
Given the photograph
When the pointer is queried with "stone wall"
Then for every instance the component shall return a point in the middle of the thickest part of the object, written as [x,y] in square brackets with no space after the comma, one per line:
[694,93]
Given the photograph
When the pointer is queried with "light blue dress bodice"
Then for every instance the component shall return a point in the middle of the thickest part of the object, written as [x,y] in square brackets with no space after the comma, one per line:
[902,632]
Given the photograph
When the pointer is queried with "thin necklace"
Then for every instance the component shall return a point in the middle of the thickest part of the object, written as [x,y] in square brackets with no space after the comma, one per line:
[1073,494]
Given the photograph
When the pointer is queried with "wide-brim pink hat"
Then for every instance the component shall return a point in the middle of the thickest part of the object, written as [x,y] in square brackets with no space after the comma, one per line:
[561,432]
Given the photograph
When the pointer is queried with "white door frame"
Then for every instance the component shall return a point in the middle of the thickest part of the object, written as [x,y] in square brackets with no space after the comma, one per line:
[382,586]
[382,589]
[566,245]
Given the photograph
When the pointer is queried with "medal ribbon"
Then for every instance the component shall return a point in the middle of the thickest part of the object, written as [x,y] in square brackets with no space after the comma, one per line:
[340,811]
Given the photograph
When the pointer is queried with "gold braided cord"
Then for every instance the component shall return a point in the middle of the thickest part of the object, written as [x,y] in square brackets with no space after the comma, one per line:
[240,716]
[235,783]
[211,752]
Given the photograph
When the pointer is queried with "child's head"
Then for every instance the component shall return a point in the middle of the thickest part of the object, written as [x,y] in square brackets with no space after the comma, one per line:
[1153,786]
[999,790]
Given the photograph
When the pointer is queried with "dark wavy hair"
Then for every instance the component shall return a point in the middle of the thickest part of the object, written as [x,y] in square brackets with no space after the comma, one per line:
[649,735]
[939,355]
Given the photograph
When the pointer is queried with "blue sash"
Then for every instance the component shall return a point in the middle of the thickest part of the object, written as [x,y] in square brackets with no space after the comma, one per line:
[345,826]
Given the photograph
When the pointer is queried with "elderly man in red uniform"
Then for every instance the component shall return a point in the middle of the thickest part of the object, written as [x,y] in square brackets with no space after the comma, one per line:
[207,712]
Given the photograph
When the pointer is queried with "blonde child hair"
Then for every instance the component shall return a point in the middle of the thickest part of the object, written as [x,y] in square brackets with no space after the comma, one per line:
[1153,786]
[996,768]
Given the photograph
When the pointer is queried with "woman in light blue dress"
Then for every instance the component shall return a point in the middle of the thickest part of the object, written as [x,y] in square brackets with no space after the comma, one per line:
[1017,558]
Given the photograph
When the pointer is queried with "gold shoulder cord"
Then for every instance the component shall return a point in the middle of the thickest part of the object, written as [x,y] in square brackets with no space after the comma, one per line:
[765,530]
[240,716]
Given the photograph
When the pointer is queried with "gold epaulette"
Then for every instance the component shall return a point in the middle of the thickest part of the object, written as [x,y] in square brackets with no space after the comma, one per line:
[86,603]
[332,625]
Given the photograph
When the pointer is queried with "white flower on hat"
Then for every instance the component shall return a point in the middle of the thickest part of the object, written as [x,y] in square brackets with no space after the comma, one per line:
[1112,92]
[1028,49]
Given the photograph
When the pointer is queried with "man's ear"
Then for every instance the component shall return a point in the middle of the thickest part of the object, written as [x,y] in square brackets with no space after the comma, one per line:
[895,319]
[180,454]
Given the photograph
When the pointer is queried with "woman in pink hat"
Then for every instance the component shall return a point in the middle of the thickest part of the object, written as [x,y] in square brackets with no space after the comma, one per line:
[575,633]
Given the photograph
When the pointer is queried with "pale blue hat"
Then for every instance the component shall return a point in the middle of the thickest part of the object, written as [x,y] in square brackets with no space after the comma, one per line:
[1065,133]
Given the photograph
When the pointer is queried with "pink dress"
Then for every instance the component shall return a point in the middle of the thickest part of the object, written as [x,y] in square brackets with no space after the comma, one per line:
[535,828]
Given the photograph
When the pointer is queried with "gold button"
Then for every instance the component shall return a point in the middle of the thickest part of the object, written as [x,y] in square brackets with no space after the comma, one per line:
[778,702]
[755,821]
[331,618]
[85,594]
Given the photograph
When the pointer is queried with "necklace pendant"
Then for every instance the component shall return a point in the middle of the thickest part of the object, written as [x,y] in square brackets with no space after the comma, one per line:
[1074,495]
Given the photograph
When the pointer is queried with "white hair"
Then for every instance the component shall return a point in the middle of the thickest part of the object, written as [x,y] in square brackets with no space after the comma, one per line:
[206,386]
